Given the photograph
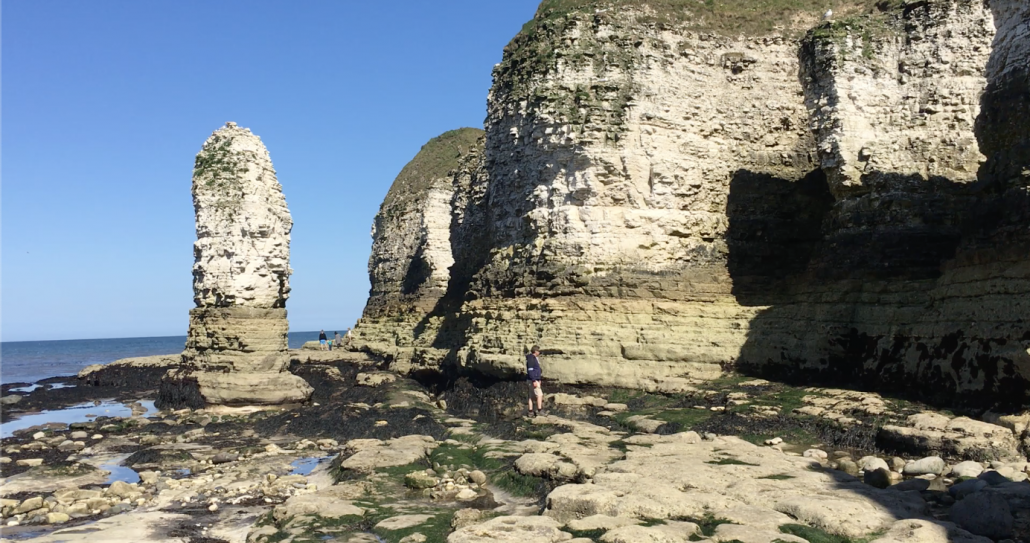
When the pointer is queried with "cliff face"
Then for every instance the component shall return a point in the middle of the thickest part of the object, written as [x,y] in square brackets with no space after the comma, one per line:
[412,255]
[609,177]
[920,281]
[655,200]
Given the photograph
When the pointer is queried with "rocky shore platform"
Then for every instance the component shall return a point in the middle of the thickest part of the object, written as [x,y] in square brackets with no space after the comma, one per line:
[374,456]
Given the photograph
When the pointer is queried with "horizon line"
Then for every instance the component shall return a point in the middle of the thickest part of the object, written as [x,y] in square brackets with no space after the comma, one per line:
[139,337]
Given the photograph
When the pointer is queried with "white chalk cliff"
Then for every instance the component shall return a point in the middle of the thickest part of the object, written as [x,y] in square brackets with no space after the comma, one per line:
[656,200]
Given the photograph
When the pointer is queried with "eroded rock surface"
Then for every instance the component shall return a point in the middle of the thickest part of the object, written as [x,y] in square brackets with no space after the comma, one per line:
[654,202]
[236,346]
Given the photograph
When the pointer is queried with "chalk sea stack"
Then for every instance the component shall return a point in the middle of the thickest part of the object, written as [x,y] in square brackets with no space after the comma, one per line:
[236,347]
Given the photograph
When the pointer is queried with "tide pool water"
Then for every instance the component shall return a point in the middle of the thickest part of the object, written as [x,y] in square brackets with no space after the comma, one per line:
[30,361]
[76,413]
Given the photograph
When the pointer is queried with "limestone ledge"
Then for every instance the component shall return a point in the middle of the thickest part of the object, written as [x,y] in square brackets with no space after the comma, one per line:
[238,339]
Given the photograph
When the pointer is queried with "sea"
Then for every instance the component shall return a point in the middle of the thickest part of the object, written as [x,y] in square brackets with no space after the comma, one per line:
[31,361]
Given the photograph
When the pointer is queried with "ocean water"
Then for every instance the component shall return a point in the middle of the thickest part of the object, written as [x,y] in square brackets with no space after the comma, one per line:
[30,361]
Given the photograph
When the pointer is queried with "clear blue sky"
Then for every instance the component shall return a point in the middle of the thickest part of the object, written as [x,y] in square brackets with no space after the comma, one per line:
[105,103]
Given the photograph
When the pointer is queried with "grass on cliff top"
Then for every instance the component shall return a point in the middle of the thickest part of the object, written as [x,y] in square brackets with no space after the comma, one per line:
[726,17]
[437,157]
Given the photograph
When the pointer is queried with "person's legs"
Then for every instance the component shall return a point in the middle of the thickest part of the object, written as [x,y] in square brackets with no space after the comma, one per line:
[539,392]
[531,389]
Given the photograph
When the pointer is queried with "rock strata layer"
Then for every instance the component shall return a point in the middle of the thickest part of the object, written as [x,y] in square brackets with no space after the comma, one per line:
[653,201]
[236,346]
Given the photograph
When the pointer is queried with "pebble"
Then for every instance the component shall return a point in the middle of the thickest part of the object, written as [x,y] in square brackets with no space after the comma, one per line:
[38,435]
[774,441]
[815,453]
[213,507]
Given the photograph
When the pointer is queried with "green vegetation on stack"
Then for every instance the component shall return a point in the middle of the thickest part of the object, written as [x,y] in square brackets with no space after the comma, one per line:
[437,157]
[726,17]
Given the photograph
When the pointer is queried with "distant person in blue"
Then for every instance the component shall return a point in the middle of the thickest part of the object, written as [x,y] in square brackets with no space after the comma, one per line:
[322,340]
[534,373]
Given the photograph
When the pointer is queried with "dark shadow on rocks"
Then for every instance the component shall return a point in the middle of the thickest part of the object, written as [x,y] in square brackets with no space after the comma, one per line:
[885,291]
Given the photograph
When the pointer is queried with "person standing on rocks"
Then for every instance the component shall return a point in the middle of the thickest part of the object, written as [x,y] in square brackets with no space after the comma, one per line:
[534,374]
[322,341]
[337,340]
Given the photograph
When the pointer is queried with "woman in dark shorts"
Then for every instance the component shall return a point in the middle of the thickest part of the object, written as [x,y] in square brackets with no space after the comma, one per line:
[534,374]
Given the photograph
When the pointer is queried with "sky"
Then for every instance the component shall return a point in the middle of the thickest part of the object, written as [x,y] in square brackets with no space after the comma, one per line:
[106,103]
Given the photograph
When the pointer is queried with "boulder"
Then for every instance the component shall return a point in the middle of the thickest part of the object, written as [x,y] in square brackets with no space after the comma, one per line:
[57,518]
[879,477]
[984,513]
[403,521]
[670,532]
[121,489]
[511,529]
[929,465]
[30,504]
[960,436]
[250,388]
[600,522]
[418,480]
[465,517]
[848,466]
[374,379]
[466,494]
[872,463]
[644,423]
[993,478]
[927,531]
[372,453]
[224,457]
[965,488]
[329,502]
[967,469]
